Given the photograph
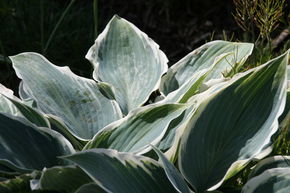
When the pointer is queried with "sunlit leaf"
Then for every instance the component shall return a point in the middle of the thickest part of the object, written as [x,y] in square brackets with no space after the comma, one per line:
[141,127]
[233,125]
[202,58]
[126,58]
[78,101]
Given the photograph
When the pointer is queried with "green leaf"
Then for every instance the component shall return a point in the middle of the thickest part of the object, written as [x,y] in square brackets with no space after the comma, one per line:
[122,172]
[171,139]
[12,105]
[90,188]
[186,93]
[58,125]
[129,60]
[233,126]
[269,163]
[58,91]
[31,114]
[203,58]
[140,128]
[275,180]
[172,173]
[62,178]
[6,106]
[188,89]
[23,147]
[107,90]
[20,184]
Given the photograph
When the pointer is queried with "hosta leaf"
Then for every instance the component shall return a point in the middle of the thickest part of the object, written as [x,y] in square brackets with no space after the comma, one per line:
[202,58]
[188,90]
[171,140]
[122,172]
[90,188]
[275,180]
[62,178]
[24,147]
[129,60]
[31,114]
[269,163]
[6,106]
[141,127]
[20,184]
[14,106]
[288,77]
[58,125]
[172,173]
[7,170]
[78,101]
[233,125]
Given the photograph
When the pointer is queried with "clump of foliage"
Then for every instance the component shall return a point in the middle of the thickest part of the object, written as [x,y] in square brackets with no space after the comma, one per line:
[259,19]
[67,133]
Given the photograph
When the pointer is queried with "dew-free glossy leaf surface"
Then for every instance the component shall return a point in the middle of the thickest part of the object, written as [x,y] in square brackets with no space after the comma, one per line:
[275,180]
[78,101]
[129,60]
[202,58]
[123,172]
[24,147]
[140,128]
[233,125]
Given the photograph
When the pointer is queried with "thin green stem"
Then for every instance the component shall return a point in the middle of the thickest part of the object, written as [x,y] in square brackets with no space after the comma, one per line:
[57,25]
[95,5]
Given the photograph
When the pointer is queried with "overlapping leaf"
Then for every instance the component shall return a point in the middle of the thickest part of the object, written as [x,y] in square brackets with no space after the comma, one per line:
[172,173]
[233,125]
[78,101]
[123,172]
[275,180]
[126,58]
[62,179]
[90,188]
[269,163]
[141,127]
[23,147]
[6,106]
[203,58]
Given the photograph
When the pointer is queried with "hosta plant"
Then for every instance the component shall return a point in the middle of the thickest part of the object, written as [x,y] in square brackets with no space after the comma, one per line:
[203,119]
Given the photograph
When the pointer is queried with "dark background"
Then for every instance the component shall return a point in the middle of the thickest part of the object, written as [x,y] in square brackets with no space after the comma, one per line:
[177,26]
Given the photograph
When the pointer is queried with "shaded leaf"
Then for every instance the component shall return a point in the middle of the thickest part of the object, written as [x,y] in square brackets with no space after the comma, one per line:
[62,178]
[275,180]
[233,126]
[172,173]
[269,163]
[23,147]
[90,188]
[122,172]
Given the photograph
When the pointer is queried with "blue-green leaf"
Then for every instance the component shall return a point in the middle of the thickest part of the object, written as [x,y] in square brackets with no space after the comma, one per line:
[23,147]
[58,91]
[140,128]
[233,126]
[275,180]
[203,58]
[123,172]
[129,60]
